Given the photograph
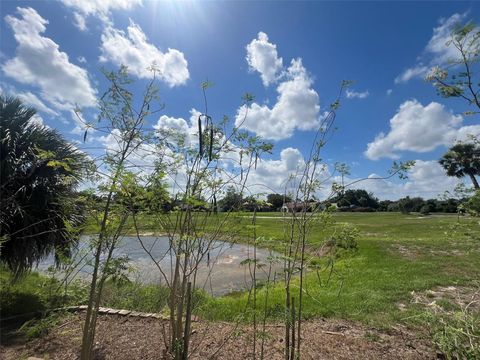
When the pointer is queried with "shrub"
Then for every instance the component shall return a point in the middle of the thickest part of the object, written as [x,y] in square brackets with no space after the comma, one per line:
[473,204]
[346,238]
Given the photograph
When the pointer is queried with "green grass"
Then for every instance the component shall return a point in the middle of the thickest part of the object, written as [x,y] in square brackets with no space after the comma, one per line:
[369,285]
[397,254]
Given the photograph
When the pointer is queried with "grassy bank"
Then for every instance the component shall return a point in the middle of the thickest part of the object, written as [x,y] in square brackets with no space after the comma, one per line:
[397,254]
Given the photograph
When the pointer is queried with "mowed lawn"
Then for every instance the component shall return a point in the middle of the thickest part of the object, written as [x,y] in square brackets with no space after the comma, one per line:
[397,254]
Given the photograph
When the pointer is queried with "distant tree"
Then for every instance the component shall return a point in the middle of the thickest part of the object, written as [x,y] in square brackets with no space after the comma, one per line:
[250,203]
[408,204]
[356,197]
[384,204]
[393,207]
[463,159]
[277,200]
[432,205]
[425,210]
[448,206]
[231,201]
[39,171]
[156,197]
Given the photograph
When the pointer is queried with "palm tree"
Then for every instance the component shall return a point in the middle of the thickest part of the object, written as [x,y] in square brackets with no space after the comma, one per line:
[39,171]
[461,160]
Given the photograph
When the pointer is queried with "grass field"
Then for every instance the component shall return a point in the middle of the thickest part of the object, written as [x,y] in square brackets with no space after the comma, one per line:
[397,254]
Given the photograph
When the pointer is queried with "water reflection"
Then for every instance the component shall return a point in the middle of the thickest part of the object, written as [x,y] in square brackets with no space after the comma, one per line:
[220,270]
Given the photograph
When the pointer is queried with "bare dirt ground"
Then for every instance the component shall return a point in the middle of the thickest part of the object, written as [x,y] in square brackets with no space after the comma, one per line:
[128,337]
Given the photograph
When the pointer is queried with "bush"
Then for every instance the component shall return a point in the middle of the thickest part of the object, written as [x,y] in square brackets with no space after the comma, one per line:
[473,204]
[346,238]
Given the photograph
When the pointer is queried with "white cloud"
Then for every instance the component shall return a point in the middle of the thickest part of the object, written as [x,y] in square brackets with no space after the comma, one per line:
[436,52]
[426,179]
[82,59]
[79,21]
[273,175]
[37,120]
[389,92]
[465,133]
[171,123]
[132,49]
[438,46]
[262,56]
[419,128]
[141,160]
[297,107]
[417,71]
[178,128]
[356,94]
[98,8]
[32,100]
[39,62]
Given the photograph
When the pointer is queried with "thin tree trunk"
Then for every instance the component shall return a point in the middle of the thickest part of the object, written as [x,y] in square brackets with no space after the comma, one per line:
[474,181]
[188,317]
[300,299]
[292,346]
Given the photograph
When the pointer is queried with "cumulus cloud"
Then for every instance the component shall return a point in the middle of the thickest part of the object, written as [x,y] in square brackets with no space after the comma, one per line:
[262,57]
[419,128]
[99,8]
[39,62]
[140,160]
[351,94]
[275,174]
[31,99]
[417,71]
[297,107]
[436,52]
[133,50]
[438,46]
[426,179]
[179,129]
[171,123]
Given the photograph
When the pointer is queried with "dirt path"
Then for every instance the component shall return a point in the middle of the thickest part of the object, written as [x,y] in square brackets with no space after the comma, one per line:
[126,337]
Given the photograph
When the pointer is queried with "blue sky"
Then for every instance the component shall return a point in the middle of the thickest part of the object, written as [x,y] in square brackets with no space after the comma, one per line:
[291,55]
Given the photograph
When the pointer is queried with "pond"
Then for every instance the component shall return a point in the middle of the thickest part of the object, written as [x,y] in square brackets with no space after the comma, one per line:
[219,272]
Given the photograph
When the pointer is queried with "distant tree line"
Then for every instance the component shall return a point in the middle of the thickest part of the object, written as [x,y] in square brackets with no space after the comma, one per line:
[363,201]
[355,200]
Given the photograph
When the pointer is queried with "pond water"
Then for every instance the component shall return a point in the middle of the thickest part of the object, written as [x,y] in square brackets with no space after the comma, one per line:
[219,272]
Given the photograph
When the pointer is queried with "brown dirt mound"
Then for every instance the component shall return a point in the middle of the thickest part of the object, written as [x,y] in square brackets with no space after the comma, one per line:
[131,338]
